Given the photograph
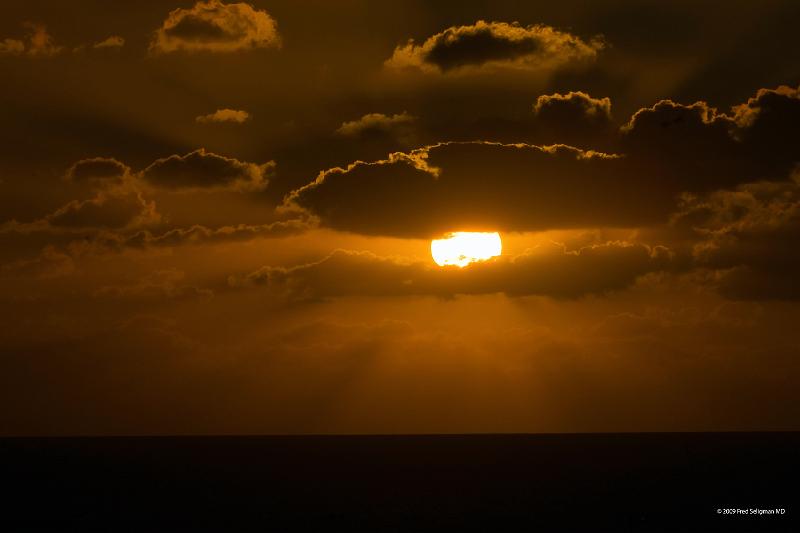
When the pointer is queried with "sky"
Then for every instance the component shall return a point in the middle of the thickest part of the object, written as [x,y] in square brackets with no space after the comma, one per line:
[217,218]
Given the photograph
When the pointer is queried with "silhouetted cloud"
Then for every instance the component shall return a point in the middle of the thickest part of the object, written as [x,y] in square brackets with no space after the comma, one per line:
[213,26]
[91,229]
[768,126]
[749,237]
[573,107]
[98,170]
[574,118]
[701,149]
[113,209]
[494,44]
[666,150]
[399,126]
[481,186]
[198,234]
[236,116]
[105,211]
[549,271]
[200,170]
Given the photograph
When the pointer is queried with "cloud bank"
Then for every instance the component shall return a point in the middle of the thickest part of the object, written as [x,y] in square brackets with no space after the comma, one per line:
[547,271]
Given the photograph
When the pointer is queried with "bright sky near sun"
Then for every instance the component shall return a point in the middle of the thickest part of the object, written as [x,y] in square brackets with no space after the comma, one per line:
[462,248]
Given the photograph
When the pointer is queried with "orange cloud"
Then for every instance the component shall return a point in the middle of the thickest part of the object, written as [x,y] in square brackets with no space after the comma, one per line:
[224,115]
[497,44]
[115,41]
[38,43]
[213,26]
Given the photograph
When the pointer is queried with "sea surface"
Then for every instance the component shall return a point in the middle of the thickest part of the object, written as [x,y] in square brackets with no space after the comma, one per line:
[548,482]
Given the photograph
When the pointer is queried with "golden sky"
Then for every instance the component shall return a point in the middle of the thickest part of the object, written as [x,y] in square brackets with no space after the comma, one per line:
[217,218]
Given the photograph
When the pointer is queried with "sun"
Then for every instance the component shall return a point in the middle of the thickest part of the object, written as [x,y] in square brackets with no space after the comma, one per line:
[461,248]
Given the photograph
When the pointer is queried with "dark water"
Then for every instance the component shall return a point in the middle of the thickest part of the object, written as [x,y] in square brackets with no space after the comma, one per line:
[608,482]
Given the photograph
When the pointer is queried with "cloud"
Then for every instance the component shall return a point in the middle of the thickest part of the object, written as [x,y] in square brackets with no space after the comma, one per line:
[104,170]
[573,107]
[481,186]
[748,236]
[575,118]
[85,234]
[115,41]
[494,44]
[202,170]
[38,43]
[50,263]
[224,115]
[12,47]
[703,149]
[168,283]
[399,126]
[105,211]
[197,170]
[112,209]
[122,216]
[548,271]
[213,26]
[685,142]
[768,125]
[662,152]
[198,234]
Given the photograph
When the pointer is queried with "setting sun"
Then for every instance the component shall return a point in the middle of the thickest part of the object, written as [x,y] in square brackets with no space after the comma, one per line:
[461,248]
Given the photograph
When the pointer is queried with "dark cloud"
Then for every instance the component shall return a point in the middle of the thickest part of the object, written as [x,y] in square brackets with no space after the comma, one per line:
[702,149]
[572,107]
[574,117]
[197,170]
[78,242]
[97,169]
[549,271]
[464,186]
[748,237]
[688,144]
[105,211]
[202,170]
[169,283]
[665,150]
[400,127]
[198,234]
[115,209]
[122,214]
[768,126]
[213,26]
[494,44]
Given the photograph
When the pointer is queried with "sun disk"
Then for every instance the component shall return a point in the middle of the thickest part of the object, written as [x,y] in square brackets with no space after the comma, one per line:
[464,247]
